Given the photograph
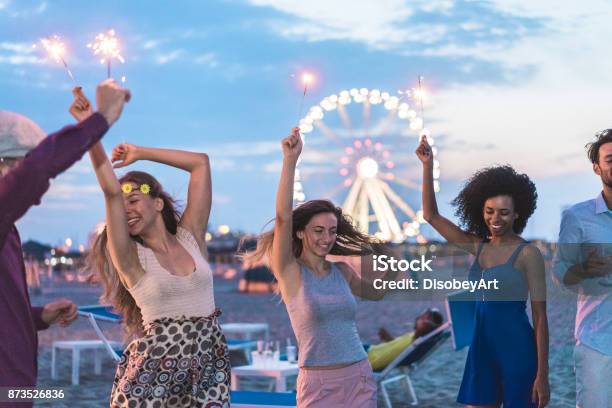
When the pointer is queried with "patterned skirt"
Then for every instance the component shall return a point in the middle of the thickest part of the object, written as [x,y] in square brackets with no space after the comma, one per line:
[177,363]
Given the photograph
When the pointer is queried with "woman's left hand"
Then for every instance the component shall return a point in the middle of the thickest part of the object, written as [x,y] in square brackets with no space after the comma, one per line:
[125,154]
[541,391]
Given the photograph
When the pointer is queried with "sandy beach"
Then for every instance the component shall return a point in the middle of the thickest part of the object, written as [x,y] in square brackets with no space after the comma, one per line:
[436,382]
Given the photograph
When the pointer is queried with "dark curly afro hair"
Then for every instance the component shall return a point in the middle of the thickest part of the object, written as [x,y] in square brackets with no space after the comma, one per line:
[493,182]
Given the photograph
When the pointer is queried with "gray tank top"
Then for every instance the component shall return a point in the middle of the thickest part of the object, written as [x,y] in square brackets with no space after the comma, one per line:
[322,315]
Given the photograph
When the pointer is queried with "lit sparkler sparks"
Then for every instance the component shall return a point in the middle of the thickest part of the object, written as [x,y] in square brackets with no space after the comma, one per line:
[56,49]
[307,78]
[107,45]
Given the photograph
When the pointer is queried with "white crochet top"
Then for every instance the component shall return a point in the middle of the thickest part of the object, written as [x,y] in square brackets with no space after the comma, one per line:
[161,294]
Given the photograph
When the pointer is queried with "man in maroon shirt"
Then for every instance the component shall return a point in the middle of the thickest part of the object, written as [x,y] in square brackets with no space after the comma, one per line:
[23,181]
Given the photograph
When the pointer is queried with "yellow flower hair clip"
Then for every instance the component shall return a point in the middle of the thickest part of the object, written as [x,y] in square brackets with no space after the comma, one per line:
[127,188]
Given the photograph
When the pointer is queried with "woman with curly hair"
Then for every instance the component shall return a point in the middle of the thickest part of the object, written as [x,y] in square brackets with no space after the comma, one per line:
[152,264]
[507,362]
[319,294]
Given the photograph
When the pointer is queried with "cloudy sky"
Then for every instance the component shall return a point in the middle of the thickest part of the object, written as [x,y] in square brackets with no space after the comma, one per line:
[509,81]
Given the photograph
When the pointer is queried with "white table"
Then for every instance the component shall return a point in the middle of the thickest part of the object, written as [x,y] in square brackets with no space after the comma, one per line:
[247,330]
[279,370]
[77,346]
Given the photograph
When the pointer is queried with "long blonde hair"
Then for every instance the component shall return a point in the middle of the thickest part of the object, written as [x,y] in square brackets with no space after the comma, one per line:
[101,266]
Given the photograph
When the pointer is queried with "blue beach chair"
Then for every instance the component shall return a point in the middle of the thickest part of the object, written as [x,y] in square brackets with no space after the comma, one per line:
[95,313]
[459,327]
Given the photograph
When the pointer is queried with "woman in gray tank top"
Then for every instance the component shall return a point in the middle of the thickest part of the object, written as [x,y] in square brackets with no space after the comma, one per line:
[319,295]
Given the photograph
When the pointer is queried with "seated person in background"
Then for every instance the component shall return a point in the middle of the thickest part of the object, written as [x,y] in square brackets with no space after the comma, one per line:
[380,355]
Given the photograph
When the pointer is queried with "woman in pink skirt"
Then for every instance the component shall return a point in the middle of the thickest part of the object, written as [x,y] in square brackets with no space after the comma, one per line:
[319,295]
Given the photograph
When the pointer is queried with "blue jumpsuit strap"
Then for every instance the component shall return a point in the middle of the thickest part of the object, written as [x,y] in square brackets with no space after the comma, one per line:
[516,252]
[479,250]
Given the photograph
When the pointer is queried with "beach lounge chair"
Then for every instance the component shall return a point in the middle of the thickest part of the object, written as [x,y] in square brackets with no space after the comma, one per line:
[258,399]
[93,313]
[459,327]
[408,360]
[97,313]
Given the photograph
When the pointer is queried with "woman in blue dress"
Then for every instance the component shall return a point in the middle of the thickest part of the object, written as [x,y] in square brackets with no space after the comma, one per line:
[507,362]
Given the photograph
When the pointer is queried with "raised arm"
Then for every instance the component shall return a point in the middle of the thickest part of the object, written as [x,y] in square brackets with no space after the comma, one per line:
[55,154]
[451,232]
[283,262]
[122,248]
[199,196]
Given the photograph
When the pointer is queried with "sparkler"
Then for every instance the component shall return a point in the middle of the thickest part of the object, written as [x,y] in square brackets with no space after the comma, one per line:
[420,94]
[306,80]
[56,50]
[107,45]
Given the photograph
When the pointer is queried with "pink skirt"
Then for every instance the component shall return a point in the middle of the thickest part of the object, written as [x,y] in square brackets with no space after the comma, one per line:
[352,386]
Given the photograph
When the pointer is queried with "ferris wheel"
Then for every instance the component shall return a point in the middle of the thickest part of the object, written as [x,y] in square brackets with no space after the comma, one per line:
[351,137]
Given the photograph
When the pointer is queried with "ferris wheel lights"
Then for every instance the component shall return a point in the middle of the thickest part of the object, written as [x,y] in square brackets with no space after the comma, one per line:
[416,124]
[375,97]
[392,103]
[344,99]
[327,104]
[436,164]
[411,232]
[366,163]
[305,128]
[420,217]
[367,167]
[375,100]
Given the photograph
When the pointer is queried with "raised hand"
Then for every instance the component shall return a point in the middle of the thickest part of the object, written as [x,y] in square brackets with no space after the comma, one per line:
[125,154]
[81,108]
[424,152]
[292,144]
[596,266]
[110,98]
[61,311]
